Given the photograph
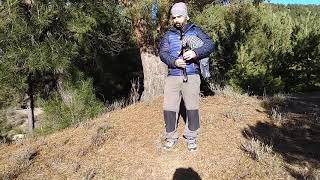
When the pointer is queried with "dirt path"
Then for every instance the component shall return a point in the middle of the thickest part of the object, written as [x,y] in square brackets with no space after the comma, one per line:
[126,144]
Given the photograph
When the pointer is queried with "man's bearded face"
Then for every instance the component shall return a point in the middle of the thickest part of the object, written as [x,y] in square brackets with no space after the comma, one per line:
[179,21]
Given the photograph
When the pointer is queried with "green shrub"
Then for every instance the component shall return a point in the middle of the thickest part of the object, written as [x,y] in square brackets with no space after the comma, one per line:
[260,48]
[80,106]
[4,126]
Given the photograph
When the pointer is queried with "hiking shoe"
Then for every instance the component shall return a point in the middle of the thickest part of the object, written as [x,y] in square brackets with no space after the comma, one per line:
[192,144]
[169,143]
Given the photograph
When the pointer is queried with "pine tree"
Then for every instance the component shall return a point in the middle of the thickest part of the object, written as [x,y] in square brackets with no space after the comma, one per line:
[39,46]
[150,19]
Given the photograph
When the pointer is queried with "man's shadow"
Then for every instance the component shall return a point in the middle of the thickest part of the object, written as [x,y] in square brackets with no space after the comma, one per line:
[186,174]
[182,112]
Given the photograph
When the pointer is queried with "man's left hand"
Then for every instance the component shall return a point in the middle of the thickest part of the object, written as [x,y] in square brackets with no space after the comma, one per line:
[189,55]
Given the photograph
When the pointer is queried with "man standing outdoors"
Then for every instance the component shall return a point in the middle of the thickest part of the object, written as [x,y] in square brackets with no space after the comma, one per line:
[183,78]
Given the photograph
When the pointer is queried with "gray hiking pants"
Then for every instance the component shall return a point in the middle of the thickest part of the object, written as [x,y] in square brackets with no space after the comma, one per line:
[190,92]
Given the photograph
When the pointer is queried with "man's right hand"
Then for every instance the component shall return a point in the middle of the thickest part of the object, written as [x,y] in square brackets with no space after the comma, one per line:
[180,63]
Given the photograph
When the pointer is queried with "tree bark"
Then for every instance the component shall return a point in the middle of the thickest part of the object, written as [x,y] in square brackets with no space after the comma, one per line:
[154,72]
[30,105]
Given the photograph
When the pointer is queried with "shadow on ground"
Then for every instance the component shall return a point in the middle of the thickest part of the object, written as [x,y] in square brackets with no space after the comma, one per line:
[296,136]
[186,174]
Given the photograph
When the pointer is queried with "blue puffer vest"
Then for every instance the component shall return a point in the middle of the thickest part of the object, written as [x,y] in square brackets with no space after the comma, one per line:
[174,37]
[171,44]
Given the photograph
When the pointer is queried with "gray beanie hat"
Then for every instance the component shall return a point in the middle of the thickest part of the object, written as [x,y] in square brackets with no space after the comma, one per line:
[179,9]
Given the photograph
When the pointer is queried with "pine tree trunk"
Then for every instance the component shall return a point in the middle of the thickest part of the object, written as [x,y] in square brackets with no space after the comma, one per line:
[30,116]
[154,72]
[30,105]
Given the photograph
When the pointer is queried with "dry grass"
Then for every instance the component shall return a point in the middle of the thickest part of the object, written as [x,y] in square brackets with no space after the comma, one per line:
[306,173]
[266,158]
[311,174]
[315,116]
[19,162]
[118,104]
[229,92]
[131,149]
[83,151]
[257,150]
[101,136]
[134,98]
[134,95]
[276,115]
[275,106]
[315,174]
[275,101]
[89,174]
[234,114]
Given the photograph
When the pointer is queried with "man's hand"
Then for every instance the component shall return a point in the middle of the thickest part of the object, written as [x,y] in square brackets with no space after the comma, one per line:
[189,55]
[180,63]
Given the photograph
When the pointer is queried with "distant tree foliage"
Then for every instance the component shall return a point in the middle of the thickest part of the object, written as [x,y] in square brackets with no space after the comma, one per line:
[34,45]
[44,46]
[265,48]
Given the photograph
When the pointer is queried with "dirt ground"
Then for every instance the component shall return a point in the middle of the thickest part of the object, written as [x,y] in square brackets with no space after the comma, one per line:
[235,135]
